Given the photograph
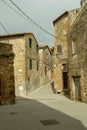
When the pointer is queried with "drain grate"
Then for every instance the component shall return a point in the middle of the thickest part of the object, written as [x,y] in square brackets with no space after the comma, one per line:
[49,122]
[13,113]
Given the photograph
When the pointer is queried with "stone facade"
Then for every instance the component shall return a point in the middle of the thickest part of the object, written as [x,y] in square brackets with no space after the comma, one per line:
[25,48]
[61,27]
[77,59]
[7,83]
[45,68]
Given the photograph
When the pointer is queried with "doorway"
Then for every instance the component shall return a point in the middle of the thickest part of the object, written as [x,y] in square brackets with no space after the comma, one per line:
[65,80]
[0,91]
[0,86]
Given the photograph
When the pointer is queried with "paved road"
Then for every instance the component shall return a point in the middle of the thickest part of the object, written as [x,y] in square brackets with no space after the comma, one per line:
[44,110]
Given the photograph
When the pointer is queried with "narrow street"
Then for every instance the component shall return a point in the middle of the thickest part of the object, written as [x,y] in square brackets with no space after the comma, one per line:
[44,110]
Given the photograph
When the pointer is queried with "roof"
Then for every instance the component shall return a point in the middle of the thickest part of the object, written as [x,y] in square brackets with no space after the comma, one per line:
[17,35]
[65,13]
[44,46]
[76,19]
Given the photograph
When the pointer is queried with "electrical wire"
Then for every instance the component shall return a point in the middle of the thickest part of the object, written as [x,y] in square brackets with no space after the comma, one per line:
[30,57]
[31,19]
[28,18]
[14,9]
[4,28]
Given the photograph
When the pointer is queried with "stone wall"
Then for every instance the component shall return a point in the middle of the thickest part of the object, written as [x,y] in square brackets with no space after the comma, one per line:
[77,62]
[45,64]
[23,53]
[61,27]
[7,88]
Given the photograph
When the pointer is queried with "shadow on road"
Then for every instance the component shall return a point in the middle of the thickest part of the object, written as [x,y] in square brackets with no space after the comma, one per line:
[29,114]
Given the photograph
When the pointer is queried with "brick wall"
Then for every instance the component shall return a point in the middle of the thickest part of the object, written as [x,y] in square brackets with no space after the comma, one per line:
[45,65]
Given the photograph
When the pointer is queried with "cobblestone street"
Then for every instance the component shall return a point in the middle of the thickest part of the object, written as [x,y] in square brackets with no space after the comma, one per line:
[44,110]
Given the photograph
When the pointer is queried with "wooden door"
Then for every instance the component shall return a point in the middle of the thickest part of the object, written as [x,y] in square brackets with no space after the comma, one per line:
[77,87]
[0,86]
[65,80]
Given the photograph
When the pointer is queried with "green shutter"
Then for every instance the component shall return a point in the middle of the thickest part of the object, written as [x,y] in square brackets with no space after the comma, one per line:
[30,42]
[36,48]
[37,65]
[30,63]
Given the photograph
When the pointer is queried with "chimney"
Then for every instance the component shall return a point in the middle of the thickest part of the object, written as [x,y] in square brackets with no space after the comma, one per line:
[83,2]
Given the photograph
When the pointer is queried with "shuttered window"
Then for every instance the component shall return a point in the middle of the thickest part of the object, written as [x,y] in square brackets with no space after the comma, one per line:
[30,42]
[37,66]
[30,64]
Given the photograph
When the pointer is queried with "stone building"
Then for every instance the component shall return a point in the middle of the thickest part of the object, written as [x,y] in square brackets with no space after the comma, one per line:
[77,58]
[25,48]
[7,83]
[45,63]
[61,26]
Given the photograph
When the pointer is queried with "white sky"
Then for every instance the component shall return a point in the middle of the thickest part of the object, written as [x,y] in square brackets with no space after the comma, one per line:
[44,12]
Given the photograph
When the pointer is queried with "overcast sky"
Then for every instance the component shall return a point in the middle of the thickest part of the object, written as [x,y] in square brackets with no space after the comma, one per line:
[43,12]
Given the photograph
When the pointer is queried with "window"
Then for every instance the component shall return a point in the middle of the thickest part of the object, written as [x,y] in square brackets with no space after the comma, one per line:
[30,64]
[45,71]
[59,49]
[37,66]
[28,78]
[30,42]
[36,48]
[74,47]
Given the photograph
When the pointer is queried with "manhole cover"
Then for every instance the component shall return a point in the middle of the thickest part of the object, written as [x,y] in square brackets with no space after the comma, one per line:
[49,122]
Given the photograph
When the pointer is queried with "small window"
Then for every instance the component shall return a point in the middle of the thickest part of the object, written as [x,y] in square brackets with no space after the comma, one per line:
[28,78]
[59,49]
[37,66]
[30,42]
[30,64]
[74,51]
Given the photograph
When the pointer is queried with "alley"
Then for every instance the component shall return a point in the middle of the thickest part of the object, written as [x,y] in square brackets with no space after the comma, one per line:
[44,110]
